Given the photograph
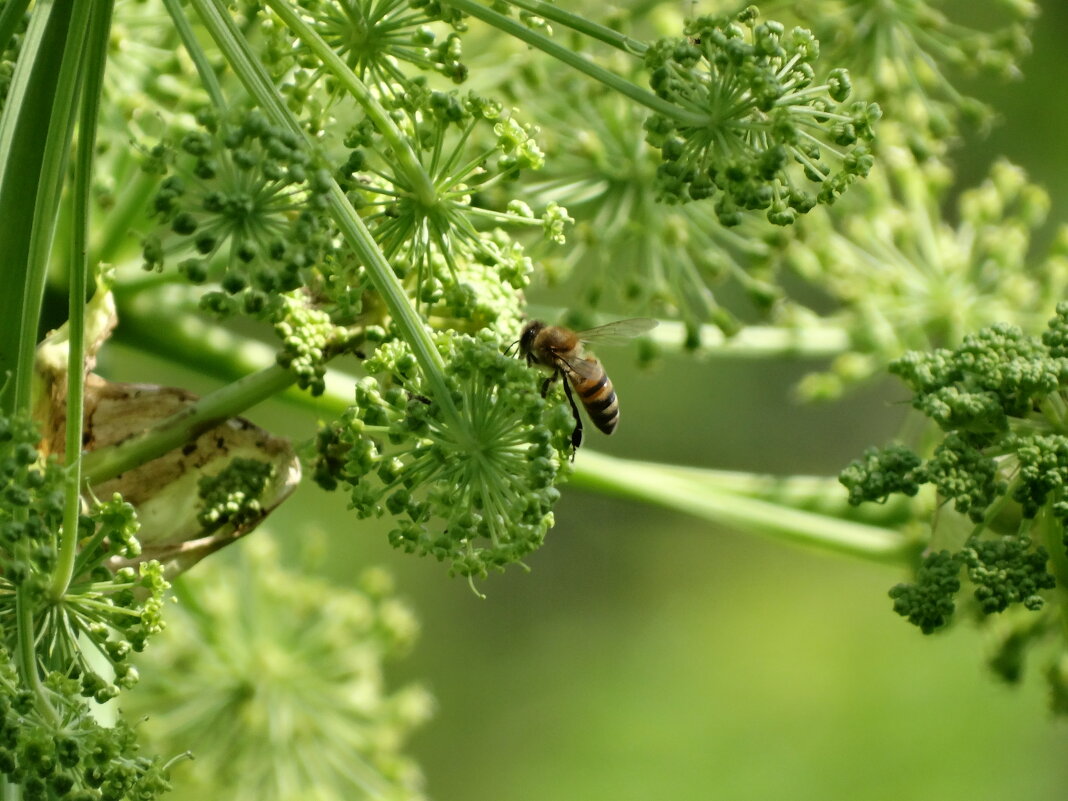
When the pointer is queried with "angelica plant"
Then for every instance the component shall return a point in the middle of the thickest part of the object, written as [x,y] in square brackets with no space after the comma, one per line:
[302,184]
[999,470]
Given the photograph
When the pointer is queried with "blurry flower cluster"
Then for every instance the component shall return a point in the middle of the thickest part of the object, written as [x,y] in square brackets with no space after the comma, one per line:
[274,680]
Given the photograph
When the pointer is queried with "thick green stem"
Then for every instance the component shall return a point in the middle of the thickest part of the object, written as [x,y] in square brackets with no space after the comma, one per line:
[700,496]
[206,413]
[93,72]
[822,495]
[579,62]
[1051,531]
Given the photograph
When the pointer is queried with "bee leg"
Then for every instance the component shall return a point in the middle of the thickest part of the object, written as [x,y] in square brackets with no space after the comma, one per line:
[548,382]
[576,434]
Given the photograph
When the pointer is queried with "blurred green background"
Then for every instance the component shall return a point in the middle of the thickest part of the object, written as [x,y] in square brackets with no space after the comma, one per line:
[648,655]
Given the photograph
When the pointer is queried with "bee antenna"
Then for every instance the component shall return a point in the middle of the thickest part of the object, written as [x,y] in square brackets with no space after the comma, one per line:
[508,350]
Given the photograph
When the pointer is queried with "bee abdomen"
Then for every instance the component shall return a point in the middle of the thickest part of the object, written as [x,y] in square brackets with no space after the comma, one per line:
[600,400]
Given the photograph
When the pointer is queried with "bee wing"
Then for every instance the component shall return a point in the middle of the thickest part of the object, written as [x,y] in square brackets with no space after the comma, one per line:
[618,331]
[585,368]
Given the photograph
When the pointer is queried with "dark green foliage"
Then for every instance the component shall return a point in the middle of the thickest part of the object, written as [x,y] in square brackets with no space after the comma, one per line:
[999,404]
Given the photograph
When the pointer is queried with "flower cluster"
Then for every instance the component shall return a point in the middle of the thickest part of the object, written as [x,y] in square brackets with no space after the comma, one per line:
[281,683]
[82,637]
[245,204]
[374,39]
[309,336]
[69,756]
[448,248]
[758,130]
[246,207]
[474,484]
[233,495]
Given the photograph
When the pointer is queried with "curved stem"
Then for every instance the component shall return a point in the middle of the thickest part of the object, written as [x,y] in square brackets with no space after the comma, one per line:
[582,25]
[823,495]
[578,62]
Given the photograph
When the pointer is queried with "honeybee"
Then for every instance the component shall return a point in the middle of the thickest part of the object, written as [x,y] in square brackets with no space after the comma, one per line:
[561,350]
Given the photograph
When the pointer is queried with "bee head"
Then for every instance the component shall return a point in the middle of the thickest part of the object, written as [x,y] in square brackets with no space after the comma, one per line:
[527,335]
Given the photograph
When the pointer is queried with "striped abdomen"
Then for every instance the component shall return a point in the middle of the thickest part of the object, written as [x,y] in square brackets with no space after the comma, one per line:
[594,389]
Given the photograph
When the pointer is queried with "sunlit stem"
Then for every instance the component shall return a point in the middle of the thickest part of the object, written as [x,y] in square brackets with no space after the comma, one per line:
[701,497]
[186,425]
[93,71]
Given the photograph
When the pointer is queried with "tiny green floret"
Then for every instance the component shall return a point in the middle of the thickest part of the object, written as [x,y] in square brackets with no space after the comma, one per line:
[233,496]
[929,602]
[880,473]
